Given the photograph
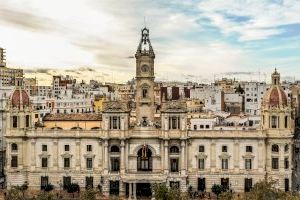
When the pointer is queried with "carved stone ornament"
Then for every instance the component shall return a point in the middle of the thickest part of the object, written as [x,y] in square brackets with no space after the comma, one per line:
[115,106]
[174,106]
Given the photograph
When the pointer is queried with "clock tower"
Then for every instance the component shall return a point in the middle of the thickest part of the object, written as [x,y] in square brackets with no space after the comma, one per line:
[145,80]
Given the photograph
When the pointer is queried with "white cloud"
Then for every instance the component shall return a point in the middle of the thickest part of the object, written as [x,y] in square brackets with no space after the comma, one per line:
[264,16]
[103,34]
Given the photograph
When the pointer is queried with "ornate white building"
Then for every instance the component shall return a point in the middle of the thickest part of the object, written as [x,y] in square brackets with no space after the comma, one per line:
[124,159]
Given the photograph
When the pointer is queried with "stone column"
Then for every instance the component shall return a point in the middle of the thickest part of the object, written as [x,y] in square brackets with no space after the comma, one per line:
[78,155]
[281,157]
[183,167]
[122,159]
[130,190]
[100,156]
[122,189]
[33,155]
[213,155]
[55,154]
[236,155]
[260,153]
[106,156]
[134,190]
[268,155]
[166,157]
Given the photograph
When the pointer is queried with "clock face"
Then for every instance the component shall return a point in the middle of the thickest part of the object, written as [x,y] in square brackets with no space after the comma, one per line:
[145,68]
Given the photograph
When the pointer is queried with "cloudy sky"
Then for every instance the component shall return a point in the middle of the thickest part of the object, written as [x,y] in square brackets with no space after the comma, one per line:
[193,39]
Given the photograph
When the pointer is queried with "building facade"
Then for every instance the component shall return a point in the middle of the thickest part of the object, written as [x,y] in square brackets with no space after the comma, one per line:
[122,158]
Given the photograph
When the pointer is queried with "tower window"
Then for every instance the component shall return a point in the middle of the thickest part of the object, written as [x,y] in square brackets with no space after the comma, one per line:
[274,121]
[274,163]
[249,149]
[224,148]
[285,122]
[174,122]
[14,161]
[27,122]
[115,122]
[275,148]
[44,147]
[15,122]
[14,147]
[145,93]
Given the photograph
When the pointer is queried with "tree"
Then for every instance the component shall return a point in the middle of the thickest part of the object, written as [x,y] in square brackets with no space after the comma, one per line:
[14,194]
[160,191]
[227,196]
[44,196]
[88,194]
[217,189]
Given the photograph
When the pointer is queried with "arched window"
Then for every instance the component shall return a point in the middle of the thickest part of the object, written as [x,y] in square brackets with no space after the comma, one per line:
[275,148]
[14,147]
[76,128]
[174,149]
[144,159]
[114,149]
[95,128]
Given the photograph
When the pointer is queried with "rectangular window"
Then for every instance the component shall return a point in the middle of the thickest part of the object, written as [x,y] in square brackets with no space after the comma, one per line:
[201,184]
[224,163]
[89,147]
[274,121]
[114,188]
[89,163]
[248,164]
[248,184]
[44,162]
[195,127]
[286,163]
[14,161]
[201,126]
[207,126]
[201,164]
[44,182]
[15,121]
[274,163]
[27,123]
[201,148]
[114,122]
[224,148]
[249,149]
[174,165]
[66,162]
[115,164]
[89,182]
[44,147]
[67,147]
[286,184]
[66,182]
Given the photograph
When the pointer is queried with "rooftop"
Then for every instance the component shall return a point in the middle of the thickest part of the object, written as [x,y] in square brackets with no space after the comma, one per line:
[73,117]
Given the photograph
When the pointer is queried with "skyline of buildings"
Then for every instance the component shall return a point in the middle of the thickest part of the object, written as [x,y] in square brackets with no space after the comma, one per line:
[124,137]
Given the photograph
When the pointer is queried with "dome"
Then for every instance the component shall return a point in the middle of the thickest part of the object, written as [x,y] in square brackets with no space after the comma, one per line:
[19,98]
[275,96]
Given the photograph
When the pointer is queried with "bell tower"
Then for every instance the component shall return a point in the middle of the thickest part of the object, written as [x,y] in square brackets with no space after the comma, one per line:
[145,80]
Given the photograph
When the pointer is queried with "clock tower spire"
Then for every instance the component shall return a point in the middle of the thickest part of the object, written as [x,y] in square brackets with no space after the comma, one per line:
[145,80]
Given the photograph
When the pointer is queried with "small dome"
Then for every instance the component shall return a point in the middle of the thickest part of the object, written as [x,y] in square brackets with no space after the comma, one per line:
[19,97]
[275,97]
